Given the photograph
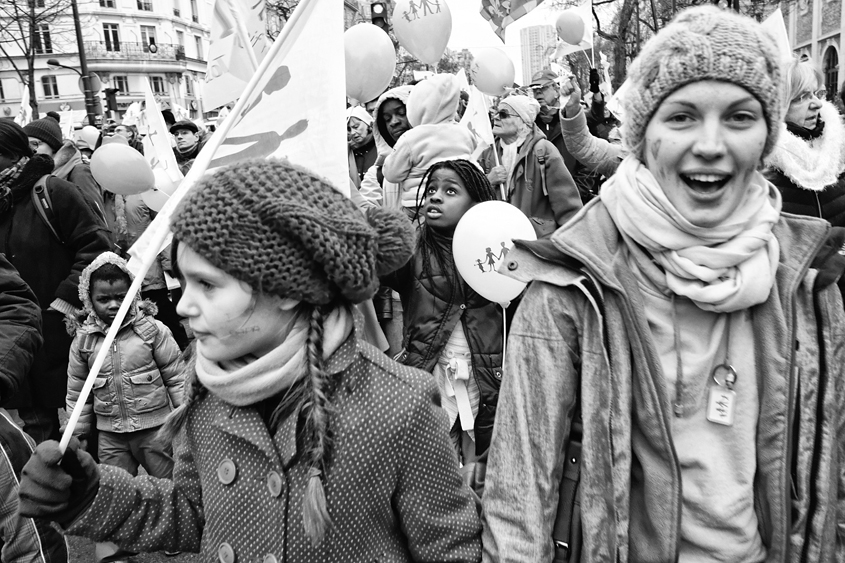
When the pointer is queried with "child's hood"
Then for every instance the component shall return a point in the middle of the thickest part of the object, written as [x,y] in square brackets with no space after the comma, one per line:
[145,307]
[434,100]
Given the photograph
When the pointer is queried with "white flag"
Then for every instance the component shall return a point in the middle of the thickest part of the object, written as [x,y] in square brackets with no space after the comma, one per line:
[776,27]
[477,119]
[25,113]
[157,147]
[230,65]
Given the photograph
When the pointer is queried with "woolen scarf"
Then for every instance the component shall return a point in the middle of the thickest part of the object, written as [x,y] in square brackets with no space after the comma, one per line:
[17,180]
[723,268]
[250,380]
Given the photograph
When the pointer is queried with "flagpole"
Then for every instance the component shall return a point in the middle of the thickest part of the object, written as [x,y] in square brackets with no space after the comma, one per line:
[160,227]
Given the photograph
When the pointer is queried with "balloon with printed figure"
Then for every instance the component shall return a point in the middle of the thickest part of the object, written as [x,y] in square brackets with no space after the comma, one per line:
[423,27]
[482,240]
[121,169]
[90,134]
[156,197]
[492,71]
[570,27]
[370,61]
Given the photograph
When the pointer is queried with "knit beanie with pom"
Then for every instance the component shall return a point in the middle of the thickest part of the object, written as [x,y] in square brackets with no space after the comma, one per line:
[286,231]
[47,130]
[703,43]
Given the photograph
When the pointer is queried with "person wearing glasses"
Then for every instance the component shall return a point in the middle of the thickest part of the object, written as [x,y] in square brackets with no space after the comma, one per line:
[808,162]
[527,169]
[545,86]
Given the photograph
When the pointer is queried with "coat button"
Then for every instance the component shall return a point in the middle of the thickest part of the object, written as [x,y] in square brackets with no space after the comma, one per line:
[226,554]
[498,374]
[226,471]
[512,265]
[463,306]
[270,558]
[274,485]
[149,378]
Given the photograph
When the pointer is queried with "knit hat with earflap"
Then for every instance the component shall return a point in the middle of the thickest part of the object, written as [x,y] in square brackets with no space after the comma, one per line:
[47,130]
[286,231]
[703,43]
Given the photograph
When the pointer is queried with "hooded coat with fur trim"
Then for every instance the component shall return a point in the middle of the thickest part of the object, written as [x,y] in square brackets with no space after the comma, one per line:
[142,376]
[810,173]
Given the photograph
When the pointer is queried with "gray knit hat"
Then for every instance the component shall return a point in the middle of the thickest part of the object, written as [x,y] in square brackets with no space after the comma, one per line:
[286,231]
[703,43]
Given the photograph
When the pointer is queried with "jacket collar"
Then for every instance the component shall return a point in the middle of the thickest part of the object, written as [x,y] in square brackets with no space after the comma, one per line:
[591,243]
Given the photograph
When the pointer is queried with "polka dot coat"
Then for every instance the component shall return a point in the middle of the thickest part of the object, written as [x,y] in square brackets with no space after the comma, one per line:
[393,487]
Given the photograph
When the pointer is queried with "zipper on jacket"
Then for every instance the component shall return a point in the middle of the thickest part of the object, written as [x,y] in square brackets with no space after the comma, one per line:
[117,379]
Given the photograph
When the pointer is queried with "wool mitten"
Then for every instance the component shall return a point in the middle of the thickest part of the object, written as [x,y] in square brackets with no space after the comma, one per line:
[56,487]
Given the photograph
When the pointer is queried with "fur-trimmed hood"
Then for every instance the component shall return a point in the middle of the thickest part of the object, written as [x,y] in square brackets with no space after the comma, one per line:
[65,159]
[812,164]
[384,141]
[87,317]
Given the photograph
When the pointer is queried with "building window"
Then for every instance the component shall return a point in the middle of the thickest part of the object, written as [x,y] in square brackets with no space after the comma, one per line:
[189,86]
[51,89]
[121,83]
[41,41]
[194,15]
[148,35]
[111,34]
[200,54]
[107,3]
[38,3]
[2,93]
[158,84]
[831,73]
[145,5]
[176,11]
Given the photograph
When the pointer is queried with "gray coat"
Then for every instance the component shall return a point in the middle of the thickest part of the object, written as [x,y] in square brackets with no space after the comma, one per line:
[562,335]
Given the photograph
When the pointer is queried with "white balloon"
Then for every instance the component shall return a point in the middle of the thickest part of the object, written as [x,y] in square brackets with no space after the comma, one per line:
[492,71]
[90,134]
[482,239]
[423,27]
[370,61]
[156,197]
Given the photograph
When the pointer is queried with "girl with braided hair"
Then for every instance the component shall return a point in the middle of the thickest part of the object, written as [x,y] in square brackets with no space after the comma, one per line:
[295,441]
[450,330]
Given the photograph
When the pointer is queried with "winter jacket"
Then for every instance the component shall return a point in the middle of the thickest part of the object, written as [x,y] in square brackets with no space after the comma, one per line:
[554,135]
[593,152]
[141,377]
[810,172]
[432,311]
[20,330]
[581,330]
[393,490]
[435,136]
[545,191]
[70,167]
[51,270]
[375,190]
[21,539]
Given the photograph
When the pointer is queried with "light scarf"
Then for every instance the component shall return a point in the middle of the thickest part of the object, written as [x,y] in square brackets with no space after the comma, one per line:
[510,151]
[250,380]
[724,268]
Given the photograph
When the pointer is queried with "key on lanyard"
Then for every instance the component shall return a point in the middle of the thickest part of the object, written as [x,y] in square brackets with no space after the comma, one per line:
[722,399]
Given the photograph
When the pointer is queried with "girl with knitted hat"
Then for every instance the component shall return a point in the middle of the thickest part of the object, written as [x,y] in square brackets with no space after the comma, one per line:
[295,440]
[450,330]
[677,363]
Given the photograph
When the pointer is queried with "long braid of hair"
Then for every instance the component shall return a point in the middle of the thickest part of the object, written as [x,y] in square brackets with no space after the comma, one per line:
[318,438]
[478,188]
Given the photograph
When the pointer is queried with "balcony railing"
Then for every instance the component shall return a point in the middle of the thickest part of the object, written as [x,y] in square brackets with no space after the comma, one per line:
[126,51]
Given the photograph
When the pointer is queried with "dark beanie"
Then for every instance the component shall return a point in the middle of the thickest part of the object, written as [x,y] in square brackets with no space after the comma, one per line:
[47,130]
[13,140]
[288,232]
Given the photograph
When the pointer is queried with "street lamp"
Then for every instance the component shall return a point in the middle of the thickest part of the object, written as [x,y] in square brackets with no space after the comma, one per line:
[90,107]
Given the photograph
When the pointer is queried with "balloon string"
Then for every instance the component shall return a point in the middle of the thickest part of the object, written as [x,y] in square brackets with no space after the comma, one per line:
[504,334]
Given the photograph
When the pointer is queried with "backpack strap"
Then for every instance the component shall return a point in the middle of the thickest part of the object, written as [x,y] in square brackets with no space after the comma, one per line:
[44,206]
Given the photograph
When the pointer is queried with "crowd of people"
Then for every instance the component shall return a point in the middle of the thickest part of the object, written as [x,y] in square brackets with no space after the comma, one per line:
[668,387]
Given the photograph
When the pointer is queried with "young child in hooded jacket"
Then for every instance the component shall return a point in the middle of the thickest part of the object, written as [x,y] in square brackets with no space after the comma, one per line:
[296,441]
[431,109]
[450,330]
[141,381]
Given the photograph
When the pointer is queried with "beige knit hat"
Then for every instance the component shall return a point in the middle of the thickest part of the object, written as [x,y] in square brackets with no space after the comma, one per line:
[286,231]
[703,43]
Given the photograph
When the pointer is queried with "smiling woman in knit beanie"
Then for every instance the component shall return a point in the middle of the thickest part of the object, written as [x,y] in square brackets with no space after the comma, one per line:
[669,320]
[296,441]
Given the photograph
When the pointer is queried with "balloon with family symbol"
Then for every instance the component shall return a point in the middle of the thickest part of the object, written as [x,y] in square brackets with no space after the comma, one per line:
[423,27]
[481,243]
